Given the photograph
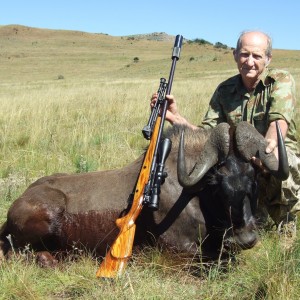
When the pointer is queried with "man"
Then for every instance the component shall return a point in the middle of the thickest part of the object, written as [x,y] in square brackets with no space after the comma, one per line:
[260,96]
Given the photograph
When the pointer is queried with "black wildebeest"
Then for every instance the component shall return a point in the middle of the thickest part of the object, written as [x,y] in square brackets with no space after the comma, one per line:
[216,201]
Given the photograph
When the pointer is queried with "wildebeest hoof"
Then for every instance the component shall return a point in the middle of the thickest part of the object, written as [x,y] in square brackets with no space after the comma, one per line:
[46,260]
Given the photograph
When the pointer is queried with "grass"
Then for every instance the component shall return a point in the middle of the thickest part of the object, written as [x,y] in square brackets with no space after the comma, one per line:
[265,272]
[76,102]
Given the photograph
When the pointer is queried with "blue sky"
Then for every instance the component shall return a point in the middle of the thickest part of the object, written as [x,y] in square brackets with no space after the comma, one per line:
[213,20]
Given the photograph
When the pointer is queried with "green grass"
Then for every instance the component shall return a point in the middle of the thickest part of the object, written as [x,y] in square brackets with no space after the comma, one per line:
[91,119]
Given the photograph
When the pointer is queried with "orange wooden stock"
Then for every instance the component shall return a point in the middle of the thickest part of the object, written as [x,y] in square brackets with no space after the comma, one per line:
[117,257]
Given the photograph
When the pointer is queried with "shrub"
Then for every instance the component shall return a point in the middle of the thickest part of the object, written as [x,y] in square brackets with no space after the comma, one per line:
[200,42]
[219,45]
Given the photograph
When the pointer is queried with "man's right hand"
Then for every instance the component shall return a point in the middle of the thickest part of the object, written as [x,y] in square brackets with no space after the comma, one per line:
[172,114]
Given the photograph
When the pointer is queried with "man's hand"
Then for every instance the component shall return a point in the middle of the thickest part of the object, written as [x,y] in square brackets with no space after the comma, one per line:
[172,114]
[272,146]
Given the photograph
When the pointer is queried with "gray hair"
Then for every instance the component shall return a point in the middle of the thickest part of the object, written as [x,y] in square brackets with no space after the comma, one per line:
[269,41]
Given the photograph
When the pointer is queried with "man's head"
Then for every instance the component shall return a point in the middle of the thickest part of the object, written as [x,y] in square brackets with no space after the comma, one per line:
[253,54]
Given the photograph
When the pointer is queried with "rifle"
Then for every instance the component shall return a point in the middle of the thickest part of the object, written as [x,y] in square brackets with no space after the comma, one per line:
[151,176]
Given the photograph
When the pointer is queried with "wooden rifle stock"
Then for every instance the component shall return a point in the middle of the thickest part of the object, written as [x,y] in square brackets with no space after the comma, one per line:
[119,253]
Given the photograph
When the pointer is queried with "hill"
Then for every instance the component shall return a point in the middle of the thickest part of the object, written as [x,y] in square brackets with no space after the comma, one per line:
[29,54]
[34,54]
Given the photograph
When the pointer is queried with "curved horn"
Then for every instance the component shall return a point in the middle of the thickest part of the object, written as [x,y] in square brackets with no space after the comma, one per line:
[251,143]
[216,147]
[283,162]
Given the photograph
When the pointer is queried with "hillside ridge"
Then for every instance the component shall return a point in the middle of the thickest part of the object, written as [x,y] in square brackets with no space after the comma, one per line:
[21,30]
[29,54]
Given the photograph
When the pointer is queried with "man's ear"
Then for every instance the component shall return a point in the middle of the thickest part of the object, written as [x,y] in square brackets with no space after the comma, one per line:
[268,60]
[235,55]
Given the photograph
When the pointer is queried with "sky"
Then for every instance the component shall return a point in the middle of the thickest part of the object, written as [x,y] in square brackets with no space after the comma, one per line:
[212,20]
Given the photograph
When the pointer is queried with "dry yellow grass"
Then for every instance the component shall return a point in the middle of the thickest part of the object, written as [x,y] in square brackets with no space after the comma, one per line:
[67,94]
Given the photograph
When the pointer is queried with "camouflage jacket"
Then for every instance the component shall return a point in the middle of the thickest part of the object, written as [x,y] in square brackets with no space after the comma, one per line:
[274,98]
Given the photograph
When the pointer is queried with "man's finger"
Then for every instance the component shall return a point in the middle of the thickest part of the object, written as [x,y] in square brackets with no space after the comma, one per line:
[272,144]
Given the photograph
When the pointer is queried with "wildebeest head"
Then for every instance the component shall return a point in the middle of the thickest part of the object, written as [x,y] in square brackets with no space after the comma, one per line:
[226,180]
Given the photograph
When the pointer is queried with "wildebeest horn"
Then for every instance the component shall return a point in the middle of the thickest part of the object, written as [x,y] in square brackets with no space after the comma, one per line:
[251,143]
[216,148]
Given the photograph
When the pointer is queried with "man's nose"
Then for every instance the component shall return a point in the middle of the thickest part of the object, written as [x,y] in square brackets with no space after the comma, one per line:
[250,60]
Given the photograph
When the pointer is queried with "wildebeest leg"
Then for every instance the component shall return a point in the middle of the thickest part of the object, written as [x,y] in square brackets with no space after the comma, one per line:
[43,258]
[4,243]
[35,219]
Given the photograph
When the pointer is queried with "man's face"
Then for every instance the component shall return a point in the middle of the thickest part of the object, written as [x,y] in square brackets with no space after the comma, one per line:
[251,59]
